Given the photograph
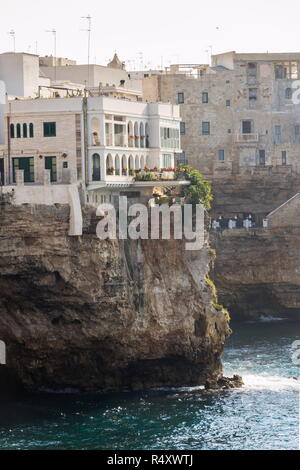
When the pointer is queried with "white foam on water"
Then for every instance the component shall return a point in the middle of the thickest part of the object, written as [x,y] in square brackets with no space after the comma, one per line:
[267,319]
[272,383]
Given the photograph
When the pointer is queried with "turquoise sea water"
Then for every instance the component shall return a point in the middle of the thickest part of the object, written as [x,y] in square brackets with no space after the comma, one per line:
[262,415]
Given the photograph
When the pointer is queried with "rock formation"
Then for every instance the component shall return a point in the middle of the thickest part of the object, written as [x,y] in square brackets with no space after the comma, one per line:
[76,312]
[257,272]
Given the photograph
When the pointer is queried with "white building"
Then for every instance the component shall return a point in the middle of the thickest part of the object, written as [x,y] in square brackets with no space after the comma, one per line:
[104,139]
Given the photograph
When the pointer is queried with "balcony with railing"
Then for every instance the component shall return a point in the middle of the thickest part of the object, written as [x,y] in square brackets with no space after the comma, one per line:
[246,138]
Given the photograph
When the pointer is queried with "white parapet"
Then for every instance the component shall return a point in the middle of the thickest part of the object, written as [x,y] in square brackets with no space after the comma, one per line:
[76,222]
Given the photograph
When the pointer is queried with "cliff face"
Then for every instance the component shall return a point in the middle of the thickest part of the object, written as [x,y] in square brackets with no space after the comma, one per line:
[90,314]
[258,195]
[257,272]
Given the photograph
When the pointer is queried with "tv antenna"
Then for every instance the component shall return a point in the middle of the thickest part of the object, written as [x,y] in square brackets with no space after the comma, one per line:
[54,32]
[12,34]
[88,30]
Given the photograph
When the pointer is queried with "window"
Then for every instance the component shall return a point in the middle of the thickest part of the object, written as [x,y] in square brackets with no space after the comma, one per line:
[262,157]
[286,71]
[252,96]
[247,127]
[50,164]
[283,158]
[96,167]
[167,161]
[221,155]
[205,128]
[31,131]
[288,94]
[182,128]
[12,131]
[65,165]
[297,134]
[180,98]
[277,131]
[25,131]
[18,131]
[228,103]
[49,129]
[251,71]
[205,97]
[169,138]
[182,159]
[26,164]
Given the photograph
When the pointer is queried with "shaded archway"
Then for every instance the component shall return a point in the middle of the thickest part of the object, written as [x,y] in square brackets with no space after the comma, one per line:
[147,137]
[96,167]
[117,165]
[109,165]
[124,166]
[137,163]
[131,165]
[130,135]
[142,135]
[136,135]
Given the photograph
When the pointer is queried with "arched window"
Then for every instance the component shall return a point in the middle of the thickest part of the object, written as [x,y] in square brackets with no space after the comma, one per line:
[131,141]
[131,165]
[147,135]
[31,132]
[137,163]
[136,135]
[142,135]
[288,94]
[12,131]
[25,131]
[109,165]
[18,131]
[124,166]
[96,167]
[117,165]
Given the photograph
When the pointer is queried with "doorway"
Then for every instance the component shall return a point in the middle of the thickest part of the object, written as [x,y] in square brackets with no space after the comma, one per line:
[50,164]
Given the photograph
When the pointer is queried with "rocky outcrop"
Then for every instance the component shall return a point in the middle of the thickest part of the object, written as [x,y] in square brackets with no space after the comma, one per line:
[76,312]
[257,272]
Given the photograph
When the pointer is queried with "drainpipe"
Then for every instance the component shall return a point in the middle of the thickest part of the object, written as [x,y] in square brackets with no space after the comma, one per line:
[85,139]
[8,150]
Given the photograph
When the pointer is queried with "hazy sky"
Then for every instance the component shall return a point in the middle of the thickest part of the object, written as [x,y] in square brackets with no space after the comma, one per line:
[152,31]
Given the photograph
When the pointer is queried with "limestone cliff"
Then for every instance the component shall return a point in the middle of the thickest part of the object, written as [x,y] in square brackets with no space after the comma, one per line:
[88,314]
[257,272]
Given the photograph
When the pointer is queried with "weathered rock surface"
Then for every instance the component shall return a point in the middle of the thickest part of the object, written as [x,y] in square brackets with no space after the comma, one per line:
[257,273]
[89,314]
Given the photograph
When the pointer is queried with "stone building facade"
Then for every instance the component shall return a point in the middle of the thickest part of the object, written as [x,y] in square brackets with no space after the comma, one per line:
[241,115]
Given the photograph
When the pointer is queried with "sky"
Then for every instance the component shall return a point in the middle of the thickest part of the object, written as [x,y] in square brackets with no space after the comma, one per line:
[146,34]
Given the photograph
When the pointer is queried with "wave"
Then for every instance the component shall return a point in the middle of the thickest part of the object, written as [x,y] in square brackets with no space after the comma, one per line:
[272,383]
[267,319]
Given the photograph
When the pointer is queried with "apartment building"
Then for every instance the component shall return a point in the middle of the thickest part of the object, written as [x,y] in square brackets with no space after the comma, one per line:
[238,116]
